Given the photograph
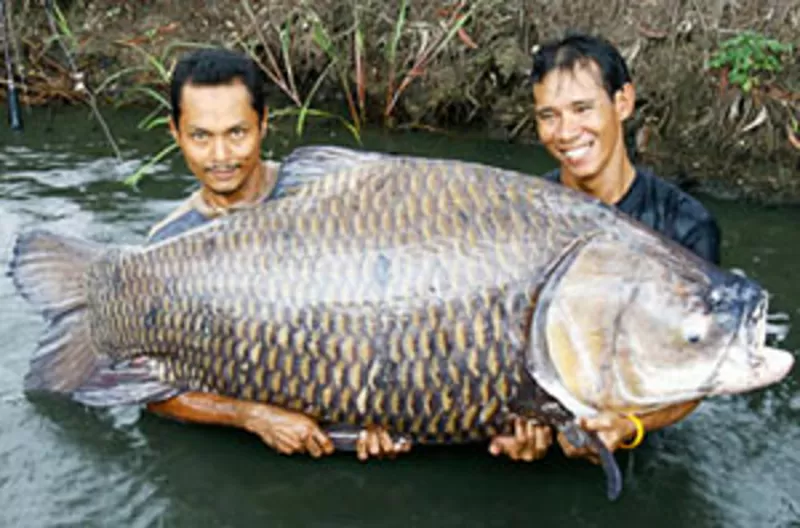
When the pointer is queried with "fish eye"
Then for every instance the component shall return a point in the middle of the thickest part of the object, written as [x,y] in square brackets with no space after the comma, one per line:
[695,328]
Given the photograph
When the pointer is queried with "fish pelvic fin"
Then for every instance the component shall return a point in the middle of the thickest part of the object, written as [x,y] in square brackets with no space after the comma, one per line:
[50,270]
[128,383]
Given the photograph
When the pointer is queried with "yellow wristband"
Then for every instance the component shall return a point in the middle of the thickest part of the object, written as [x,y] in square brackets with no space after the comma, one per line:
[639,432]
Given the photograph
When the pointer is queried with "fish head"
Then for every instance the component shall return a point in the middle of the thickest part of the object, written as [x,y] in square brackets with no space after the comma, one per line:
[633,326]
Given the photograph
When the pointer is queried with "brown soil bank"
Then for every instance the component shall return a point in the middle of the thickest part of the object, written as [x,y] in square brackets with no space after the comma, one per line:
[733,128]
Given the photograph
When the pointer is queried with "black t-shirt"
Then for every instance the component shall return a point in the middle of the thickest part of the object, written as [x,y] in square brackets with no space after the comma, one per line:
[665,208]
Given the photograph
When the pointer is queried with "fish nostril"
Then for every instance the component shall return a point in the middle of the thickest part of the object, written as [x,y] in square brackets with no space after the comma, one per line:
[715,299]
[756,363]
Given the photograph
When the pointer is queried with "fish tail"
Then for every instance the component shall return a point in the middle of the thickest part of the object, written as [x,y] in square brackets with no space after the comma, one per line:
[50,271]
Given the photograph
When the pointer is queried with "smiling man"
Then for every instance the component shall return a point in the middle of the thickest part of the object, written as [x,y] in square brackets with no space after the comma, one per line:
[583,93]
[219,120]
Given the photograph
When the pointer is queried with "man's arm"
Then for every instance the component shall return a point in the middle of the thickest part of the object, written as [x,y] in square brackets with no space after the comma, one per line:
[285,431]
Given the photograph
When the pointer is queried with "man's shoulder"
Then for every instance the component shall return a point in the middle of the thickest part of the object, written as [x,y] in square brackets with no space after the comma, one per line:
[681,204]
[181,218]
[553,175]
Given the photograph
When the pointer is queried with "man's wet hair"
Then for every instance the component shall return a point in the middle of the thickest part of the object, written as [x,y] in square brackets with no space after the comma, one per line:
[581,49]
[214,67]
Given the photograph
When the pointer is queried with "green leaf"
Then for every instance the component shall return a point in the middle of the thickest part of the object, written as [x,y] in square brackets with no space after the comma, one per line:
[153,94]
[134,178]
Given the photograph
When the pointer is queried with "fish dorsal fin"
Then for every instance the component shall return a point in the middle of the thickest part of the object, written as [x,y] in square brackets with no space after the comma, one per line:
[307,165]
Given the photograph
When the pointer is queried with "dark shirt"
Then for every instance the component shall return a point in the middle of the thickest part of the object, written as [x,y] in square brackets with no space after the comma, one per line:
[665,208]
[175,226]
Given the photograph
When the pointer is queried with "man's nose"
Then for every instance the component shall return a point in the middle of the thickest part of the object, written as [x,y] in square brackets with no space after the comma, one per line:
[569,128]
[220,149]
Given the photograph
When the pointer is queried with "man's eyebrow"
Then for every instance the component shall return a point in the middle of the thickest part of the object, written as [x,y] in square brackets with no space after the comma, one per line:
[198,128]
[571,103]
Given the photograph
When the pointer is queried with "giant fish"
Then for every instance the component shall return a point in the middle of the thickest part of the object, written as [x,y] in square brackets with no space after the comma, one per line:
[435,298]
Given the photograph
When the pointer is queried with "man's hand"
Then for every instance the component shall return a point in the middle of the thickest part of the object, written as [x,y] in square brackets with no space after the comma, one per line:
[376,442]
[288,432]
[614,430]
[529,442]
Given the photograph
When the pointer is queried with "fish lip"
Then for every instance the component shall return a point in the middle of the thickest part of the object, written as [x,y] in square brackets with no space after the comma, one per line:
[768,356]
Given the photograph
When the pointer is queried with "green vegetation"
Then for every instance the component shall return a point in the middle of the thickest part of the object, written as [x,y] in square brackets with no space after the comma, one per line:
[749,57]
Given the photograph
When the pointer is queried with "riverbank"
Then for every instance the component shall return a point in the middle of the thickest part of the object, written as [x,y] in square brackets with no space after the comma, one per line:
[451,66]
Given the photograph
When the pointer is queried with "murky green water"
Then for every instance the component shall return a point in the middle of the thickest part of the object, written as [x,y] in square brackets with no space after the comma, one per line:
[734,462]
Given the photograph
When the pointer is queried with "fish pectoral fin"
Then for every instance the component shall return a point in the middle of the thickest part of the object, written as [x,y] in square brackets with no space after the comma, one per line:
[130,383]
[580,438]
[534,402]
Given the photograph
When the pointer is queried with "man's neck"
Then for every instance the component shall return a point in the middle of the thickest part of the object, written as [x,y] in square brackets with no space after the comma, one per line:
[606,186]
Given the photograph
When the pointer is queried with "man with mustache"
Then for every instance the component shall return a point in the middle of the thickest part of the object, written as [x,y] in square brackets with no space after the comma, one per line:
[219,121]
[583,93]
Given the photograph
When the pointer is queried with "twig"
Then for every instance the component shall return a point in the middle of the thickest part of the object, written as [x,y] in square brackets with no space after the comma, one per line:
[77,76]
[453,25]
[12,37]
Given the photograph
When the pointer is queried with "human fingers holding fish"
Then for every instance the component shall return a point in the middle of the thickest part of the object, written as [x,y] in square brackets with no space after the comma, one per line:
[529,441]
[376,442]
[288,432]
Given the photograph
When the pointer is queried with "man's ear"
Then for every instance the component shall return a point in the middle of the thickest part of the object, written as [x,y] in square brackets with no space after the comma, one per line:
[173,129]
[265,122]
[625,101]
